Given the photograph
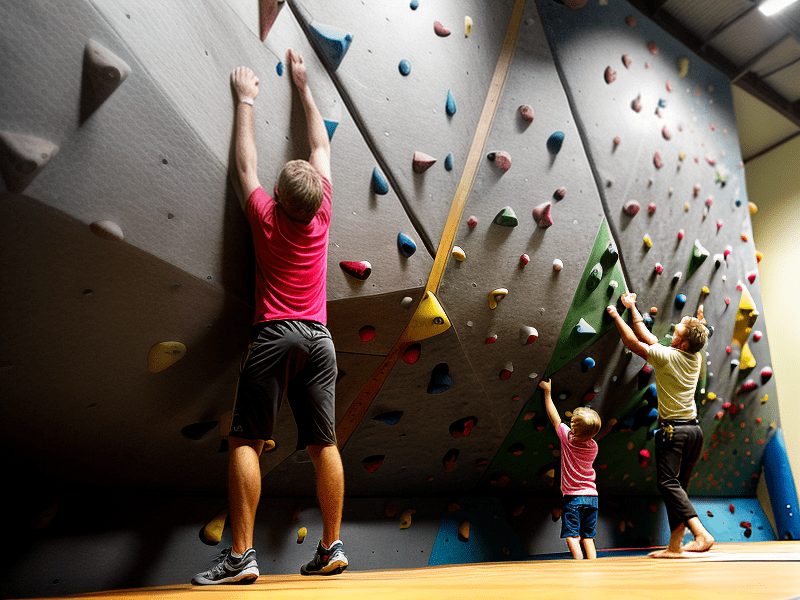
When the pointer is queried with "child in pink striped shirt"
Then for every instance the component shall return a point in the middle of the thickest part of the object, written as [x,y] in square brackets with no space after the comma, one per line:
[578,451]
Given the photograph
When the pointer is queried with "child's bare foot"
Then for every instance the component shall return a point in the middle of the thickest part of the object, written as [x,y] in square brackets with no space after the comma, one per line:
[699,544]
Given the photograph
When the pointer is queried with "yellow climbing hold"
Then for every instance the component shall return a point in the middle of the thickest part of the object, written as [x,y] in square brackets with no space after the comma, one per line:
[705,290]
[301,535]
[647,240]
[495,296]
[463,531]
[681,156]
[405,518]
[428,320]
[163,355]
[269,446]
[764,398]
[759,256]
[746,316]
[711,396]
[683,67]
[752,207]
[458,253]
[467,26]
[211,534]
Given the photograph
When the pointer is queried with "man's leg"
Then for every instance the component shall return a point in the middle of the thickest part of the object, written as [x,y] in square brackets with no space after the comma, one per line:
[702,541]
[692,451]
[244,489]
[673,550]
[330,489]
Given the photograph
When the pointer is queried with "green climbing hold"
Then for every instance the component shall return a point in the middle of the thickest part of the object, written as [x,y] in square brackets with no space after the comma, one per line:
[506,217]
[699,255]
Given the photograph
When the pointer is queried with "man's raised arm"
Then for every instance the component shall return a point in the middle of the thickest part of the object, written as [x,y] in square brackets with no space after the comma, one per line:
[245,86]
[628,300]
[629,338]
[320,156]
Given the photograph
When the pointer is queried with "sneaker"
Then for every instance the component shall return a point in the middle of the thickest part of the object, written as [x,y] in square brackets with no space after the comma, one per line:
[230,570]
[330,561]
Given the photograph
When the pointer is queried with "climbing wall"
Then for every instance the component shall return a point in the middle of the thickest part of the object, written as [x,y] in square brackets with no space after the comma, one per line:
[501,171]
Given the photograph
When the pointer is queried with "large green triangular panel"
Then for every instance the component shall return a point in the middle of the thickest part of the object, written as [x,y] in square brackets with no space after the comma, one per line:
[590,302]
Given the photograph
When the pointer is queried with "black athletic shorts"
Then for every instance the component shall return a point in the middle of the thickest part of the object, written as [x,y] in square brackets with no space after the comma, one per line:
[296,358]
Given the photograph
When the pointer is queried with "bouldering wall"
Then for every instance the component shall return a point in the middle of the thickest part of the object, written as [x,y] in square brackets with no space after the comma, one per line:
[501,172]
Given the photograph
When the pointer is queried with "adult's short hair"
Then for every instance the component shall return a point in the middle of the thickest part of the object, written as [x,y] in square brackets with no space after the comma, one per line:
[696,334]
[300,189]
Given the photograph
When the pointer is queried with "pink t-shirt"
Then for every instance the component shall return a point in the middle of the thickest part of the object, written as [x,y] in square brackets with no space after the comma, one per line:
[291,259]
[577,474]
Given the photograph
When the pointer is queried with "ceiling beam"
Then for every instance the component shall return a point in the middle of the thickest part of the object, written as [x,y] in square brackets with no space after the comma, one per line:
[791,63]
[749,82]
[745,68]
[726,24]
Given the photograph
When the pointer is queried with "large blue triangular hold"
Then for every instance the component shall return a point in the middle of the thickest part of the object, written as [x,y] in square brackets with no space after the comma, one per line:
[331,42]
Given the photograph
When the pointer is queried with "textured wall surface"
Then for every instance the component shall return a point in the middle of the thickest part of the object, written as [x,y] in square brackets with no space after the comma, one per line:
[120,229]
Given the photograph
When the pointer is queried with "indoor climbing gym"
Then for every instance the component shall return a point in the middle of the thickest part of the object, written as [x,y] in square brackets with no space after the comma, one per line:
[440,299]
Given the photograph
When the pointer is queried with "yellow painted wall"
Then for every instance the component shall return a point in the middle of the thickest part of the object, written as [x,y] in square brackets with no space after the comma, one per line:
[773,183]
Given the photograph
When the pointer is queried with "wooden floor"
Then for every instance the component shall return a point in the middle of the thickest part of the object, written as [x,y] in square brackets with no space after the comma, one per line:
[729,571]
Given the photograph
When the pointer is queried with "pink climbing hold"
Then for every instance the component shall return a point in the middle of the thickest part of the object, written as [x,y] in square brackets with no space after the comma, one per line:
[727,252]
[421,162]
[501,158]
[360,269]
[659,268]
[616,141]
[766,374]
[751,277]
[757,335]
[610,75]
[440,29]
[526,112]
[666,133]
[366,333]
[657,161]
[636,104]
[727,301]
[627,61]
[709,201]
[472,222]
[651,208]
[720,224]
[668,85]
[632,208]
[652,47]
[541,214]
[747,386]
[728,349]
[524,259]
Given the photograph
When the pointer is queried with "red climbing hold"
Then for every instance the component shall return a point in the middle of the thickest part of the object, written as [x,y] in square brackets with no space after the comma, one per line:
[472,222]
[412,354]
[366,333]
[360,269]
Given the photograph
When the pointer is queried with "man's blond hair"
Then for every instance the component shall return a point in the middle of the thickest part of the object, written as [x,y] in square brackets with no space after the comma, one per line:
[696,335]
[585,423]
[300,189]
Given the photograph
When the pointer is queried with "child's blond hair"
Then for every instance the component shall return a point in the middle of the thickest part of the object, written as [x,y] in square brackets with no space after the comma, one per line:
[300,189]
[585,423]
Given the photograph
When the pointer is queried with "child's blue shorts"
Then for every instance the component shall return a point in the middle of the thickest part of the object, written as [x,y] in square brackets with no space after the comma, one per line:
[579,517]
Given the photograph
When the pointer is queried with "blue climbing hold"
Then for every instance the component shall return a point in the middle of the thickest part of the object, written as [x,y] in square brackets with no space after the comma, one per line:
[390,418]
[404,67]
[279,69]
[662,103]
[680,300]
[330,127]
[414,5]
[406,245]
[448,162]
[555,141]
[450,105]
[587,363]
[332,43]
[647,320]
[379,184]
[440,381]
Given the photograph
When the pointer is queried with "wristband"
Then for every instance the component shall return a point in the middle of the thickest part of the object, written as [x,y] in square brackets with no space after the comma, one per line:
[246,100]
[635,321]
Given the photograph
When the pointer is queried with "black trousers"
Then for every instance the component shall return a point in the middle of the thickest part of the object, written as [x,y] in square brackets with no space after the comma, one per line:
[678,448]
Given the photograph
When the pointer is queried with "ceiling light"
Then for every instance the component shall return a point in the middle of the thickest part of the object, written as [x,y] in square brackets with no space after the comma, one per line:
[770,7]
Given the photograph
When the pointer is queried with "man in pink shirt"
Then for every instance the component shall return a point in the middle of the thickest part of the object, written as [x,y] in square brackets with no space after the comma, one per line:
[291,350]
[578,451]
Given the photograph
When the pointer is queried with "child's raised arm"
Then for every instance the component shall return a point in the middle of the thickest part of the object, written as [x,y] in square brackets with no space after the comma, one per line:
[552,412]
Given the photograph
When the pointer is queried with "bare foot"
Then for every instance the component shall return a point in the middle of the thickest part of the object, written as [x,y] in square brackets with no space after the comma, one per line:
[699,544]
[667,553]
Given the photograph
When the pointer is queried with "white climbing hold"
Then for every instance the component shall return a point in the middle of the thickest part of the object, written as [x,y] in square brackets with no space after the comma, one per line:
[22,157]
[458,253]
[108,230]
[528,335]
[557,265]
